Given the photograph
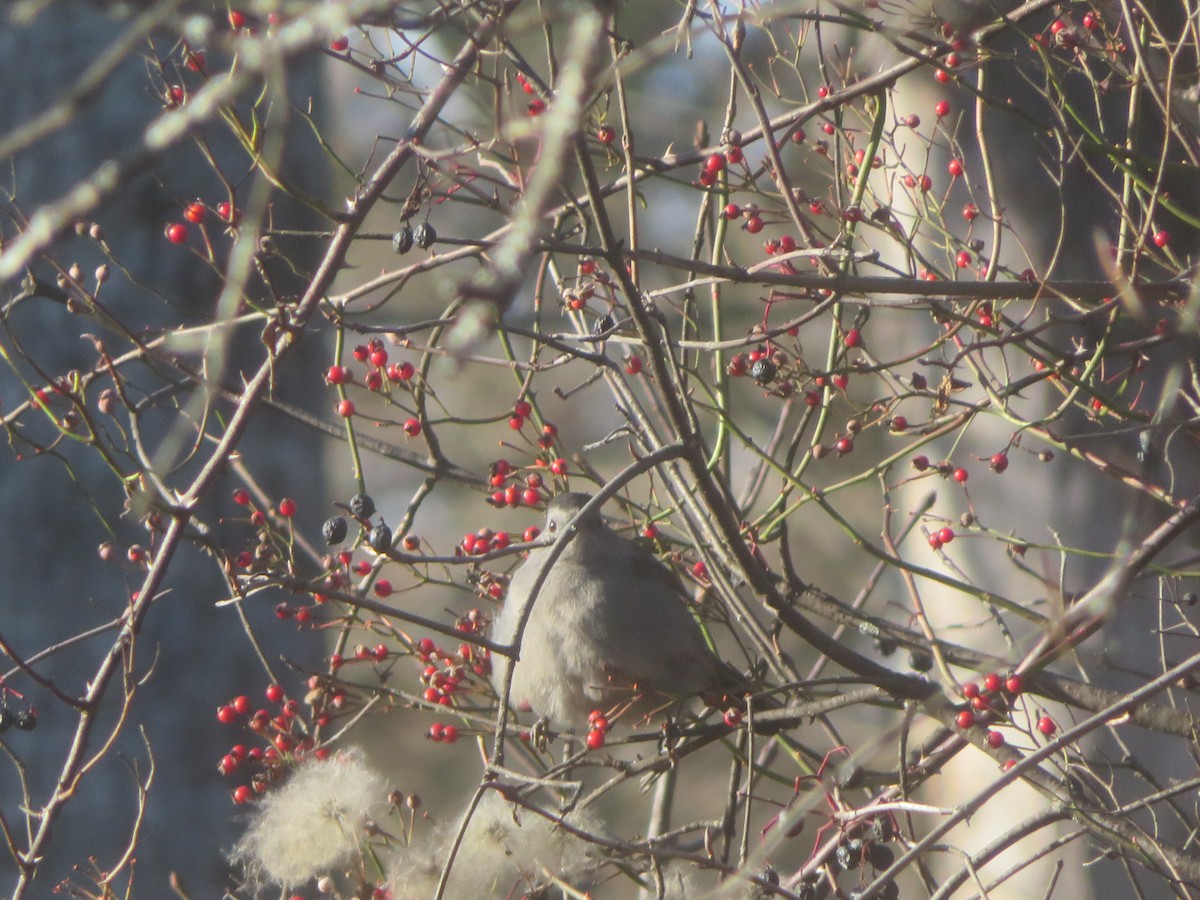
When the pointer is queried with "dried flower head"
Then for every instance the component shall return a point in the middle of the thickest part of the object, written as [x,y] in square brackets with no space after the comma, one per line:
[313,823]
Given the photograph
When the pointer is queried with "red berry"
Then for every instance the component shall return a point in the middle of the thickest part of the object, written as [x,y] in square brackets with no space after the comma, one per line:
[339,44]
[946,535]
[920,463]
[536,106]
[241,705]
[287,507]
[227,715]
[942,109]
[731,211]
[337,375]
[898,423]
[798,136]
[450,734]
[274,693]
[941,76]
[595,740]
[999,462]
[970,690]
[853,338]
[176,233]
[633,365]
[559,467]
[650,531]
[195,212]
[963,260]
[1162,238]
[992,682]
[1047,726]
[754,224]
[383,588]
[961,475]
[970,212]
[843,446]
[965,719]
[840,381]
[715,163]
[700,570]
[523,408]
[955,168]
[1014,684]
[226,212]
[531,533]
[412,427]
[345,408]
[606,134]
[242,794]
[995,739]
[241,497]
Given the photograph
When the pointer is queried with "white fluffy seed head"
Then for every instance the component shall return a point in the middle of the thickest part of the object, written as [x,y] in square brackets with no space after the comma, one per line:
[313,823]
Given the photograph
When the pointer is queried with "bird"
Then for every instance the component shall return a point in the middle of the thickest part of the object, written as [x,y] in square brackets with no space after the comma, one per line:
[610,627]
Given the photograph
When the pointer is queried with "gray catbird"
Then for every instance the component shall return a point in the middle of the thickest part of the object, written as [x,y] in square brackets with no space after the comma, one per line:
[610,624]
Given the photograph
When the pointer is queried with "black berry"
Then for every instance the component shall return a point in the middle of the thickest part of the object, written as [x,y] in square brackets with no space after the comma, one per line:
[425,235]
[334,530]
[380,539]
[402,240]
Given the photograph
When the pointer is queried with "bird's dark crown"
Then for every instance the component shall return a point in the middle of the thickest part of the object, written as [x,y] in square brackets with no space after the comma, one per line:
[563,508]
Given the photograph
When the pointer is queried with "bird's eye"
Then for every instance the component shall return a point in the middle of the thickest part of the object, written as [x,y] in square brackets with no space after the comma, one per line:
[552,525]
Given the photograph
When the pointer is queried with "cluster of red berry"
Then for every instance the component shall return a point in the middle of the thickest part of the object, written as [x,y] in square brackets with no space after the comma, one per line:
[446,675]
[197,214]
[990,704]
[285,737]
[598,727]
[381,376]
